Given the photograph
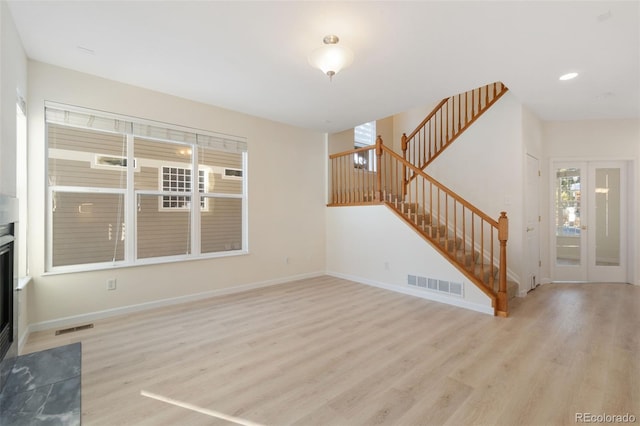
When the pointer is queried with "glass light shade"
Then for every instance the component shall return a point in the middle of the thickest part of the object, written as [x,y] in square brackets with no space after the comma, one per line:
[331,58]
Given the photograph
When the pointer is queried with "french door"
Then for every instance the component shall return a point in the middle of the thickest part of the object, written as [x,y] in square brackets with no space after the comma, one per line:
[589,221]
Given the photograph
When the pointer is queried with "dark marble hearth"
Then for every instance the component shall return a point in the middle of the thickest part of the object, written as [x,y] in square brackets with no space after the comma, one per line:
[43,389]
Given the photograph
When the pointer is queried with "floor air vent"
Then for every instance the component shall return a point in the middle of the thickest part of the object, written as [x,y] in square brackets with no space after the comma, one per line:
[72,329]
[441,286]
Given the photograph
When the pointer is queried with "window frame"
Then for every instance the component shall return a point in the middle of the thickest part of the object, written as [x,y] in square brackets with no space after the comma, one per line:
[130,193]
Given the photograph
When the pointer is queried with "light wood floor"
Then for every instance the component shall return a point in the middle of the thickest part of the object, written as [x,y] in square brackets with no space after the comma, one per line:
[325,351]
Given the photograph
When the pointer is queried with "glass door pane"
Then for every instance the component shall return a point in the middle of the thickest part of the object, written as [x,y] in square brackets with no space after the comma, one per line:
[607,216]
[568,220]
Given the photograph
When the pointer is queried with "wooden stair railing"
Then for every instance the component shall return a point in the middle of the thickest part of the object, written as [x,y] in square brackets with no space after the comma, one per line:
[472,241]
[448,120]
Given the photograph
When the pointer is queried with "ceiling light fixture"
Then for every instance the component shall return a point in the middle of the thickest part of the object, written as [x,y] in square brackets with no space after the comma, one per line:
[331,57]
[568,76]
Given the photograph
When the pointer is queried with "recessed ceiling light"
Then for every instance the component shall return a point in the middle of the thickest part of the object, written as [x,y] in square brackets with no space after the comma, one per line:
[568,76]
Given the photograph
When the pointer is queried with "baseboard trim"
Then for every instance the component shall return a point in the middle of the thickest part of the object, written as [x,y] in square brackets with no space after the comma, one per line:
[460,303]
[22,339]
[93,316]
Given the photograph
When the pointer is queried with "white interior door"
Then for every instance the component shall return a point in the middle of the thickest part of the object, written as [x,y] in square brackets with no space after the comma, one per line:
[532,233]
[589,235]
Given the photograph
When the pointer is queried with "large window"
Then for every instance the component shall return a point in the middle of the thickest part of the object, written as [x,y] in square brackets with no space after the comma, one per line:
[121,191]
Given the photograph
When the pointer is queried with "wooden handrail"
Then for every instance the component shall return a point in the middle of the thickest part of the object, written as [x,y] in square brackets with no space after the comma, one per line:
[352,151]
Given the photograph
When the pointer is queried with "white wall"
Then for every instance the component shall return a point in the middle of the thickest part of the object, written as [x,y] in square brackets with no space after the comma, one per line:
[371,245]
[13,80]
[597,140]
[406,122]
[286,179]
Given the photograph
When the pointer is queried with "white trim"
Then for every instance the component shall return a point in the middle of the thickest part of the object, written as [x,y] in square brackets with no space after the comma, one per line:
[88,267]
[94,316]
[454,301]
[22,339]
[23,282]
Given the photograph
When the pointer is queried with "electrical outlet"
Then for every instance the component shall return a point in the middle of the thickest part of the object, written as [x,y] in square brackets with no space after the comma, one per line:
[111,284]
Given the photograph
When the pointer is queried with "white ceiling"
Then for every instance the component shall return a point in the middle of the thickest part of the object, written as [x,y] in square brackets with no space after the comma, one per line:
[252,56]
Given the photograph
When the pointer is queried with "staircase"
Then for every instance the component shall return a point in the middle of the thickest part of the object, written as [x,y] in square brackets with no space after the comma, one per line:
[471,240]
[450,244]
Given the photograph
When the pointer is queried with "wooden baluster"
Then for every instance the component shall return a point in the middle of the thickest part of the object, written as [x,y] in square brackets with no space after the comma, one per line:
[379,197]
[446,122]
[446,220]
[486,96]
[345,171]
[464,234]
[348,175]
[404,167]
[336,173]
[493,271]
[429,139]
[502,309]
[431,204]
[361,181]
[473,104]
[466,108]
[482,250]
[441,136]
[415,210]
[473,242]
[424,203]
[459,111]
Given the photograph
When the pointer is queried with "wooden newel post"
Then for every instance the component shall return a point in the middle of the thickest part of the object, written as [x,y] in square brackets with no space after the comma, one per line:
[503,235]
[378,194]
[405,179]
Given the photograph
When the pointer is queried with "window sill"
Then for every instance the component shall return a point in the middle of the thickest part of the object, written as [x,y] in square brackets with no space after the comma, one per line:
[145,262]
[23,282]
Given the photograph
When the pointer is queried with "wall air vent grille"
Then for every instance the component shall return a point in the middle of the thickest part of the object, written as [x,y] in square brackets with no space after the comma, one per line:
[440,286]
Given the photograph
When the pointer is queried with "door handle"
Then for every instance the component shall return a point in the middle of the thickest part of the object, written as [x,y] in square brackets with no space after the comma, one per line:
[583,227]
[530,229]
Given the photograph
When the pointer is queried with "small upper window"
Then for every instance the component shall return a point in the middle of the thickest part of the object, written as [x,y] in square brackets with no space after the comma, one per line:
[365,135]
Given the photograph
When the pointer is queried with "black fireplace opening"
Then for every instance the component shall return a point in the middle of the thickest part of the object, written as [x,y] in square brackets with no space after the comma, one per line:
[6,288]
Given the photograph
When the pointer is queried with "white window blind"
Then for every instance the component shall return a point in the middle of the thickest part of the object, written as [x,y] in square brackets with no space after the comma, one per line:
[112,123]
[146,208]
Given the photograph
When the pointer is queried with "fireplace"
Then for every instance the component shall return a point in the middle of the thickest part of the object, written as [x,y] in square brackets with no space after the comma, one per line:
[8,287]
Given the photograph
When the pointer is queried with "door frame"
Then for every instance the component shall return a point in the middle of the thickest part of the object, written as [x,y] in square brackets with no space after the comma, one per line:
[627,193]
[532,270]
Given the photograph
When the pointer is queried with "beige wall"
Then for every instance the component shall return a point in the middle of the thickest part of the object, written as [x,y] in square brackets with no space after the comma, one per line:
[286,177]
